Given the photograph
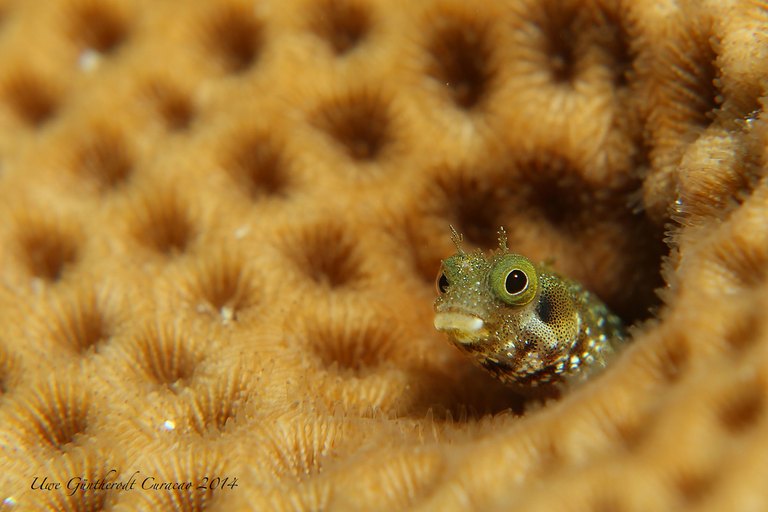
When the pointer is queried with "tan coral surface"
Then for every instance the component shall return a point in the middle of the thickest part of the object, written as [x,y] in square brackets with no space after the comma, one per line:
[220,222]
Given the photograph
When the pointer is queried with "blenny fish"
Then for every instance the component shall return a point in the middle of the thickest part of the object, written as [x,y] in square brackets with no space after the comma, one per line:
[523,323]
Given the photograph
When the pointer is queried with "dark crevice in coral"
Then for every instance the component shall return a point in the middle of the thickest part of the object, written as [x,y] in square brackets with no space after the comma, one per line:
[163,354]
[33,100]
[479,216]
[559,48]
[105,159]
[632,435]
[58,416]
[326,255]
[614,37]
[673,359]
[258,165]
[174,107]
[707,97]
[162,223]
[550,189]
[361,122]
[744,409]
[224,283]
[568,37]
[344,24]
[462,59]
[694,486]
[357,348]
[235,38]
[473,205]
[554,188]
[46,249]
[546,185]
[745,331]
[558,33]
[81,324]
[216,406]
[98,26]
[424,257]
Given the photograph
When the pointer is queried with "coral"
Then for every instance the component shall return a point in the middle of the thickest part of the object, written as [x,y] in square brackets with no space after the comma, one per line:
[221,221]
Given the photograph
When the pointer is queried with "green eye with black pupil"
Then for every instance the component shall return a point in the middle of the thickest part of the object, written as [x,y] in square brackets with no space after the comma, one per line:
[442,283]
[516,282]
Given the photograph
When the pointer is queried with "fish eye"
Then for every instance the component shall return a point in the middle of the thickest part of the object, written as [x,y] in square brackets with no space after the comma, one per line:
[513,280]
[442,283]
[516,282]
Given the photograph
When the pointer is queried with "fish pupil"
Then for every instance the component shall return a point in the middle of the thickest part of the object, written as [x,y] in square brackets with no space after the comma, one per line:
[516,282]
[442,283]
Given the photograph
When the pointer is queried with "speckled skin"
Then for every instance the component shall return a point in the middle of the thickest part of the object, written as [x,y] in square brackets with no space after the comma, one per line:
[553,333]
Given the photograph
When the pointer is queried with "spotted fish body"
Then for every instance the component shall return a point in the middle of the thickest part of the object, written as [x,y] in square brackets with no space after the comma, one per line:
[524,324]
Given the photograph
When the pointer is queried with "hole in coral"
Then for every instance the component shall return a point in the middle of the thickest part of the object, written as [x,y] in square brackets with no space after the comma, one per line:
[479,199]
[56,414]
[745,329]
[673,359]
[361,122]
[342,23]
[98,26]
[558,26]
[706,97]
[327,255]
[693,486]
[351,345]
[105,159]
[47,250]
[564,39]
[173,106]
[621,55]
[163,224]
[743,408]
[554,188]
[234,37]
[225,285]
[632,434]
[425,257]
[475,204]
[462,58]
[80,324]
[166,356]
[257,164]
[299,449]
[33,99]
[548,192]
[217,405]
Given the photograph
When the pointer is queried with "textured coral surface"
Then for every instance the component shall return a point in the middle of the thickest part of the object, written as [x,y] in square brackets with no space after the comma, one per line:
[220,222]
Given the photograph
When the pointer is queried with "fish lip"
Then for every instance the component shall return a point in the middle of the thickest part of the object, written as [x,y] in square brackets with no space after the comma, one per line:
[464,328]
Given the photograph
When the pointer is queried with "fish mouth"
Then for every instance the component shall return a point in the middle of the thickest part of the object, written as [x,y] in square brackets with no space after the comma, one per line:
[463,327]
